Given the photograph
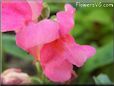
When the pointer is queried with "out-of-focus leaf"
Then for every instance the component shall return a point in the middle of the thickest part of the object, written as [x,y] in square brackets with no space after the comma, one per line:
[77,31]
[102,79]
[103,57]
[99,17]
[106,39]
[10,47]
[79,16]
[96,16]
[56,6]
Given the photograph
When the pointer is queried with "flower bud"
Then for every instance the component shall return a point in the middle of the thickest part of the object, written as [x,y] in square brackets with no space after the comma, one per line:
[14,76]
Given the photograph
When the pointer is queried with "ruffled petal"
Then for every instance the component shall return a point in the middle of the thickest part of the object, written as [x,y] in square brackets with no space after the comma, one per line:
[80,54]
[36,34]
[65,19]
[75,53]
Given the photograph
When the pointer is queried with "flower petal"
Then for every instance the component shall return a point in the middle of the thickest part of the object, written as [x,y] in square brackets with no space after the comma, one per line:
[70,9]
[36,34]
[77,54]
[65,19]
[15,15]
[89,50]
[36,6]
[80,55]
[58,72]
[51,51]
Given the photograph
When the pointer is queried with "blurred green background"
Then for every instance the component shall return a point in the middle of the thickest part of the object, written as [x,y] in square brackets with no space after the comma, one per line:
[93,26]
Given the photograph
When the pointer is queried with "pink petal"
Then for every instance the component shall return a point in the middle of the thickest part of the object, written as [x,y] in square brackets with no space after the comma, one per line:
[77,54]
[15,15]
[51,51]
[89,50]
[37,34]
[70,9]
[36,6]
[58,72]
[65,19]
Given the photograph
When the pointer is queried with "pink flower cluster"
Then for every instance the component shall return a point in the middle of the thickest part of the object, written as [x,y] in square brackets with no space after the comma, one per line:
[47,40]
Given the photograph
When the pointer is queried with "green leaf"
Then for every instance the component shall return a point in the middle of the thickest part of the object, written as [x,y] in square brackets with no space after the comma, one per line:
[10,47]
[96,16]
[104,56]
[106,39]
[100,17]
[77,31]
[56,6]
[102,79]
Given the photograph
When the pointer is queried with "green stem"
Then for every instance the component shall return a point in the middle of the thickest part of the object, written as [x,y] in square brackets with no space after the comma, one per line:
[40,73]
[38,68]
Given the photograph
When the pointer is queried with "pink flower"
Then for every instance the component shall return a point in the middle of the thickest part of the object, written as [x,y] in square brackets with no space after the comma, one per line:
[66,19]
[57,56]
[17,14]
[48,40]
